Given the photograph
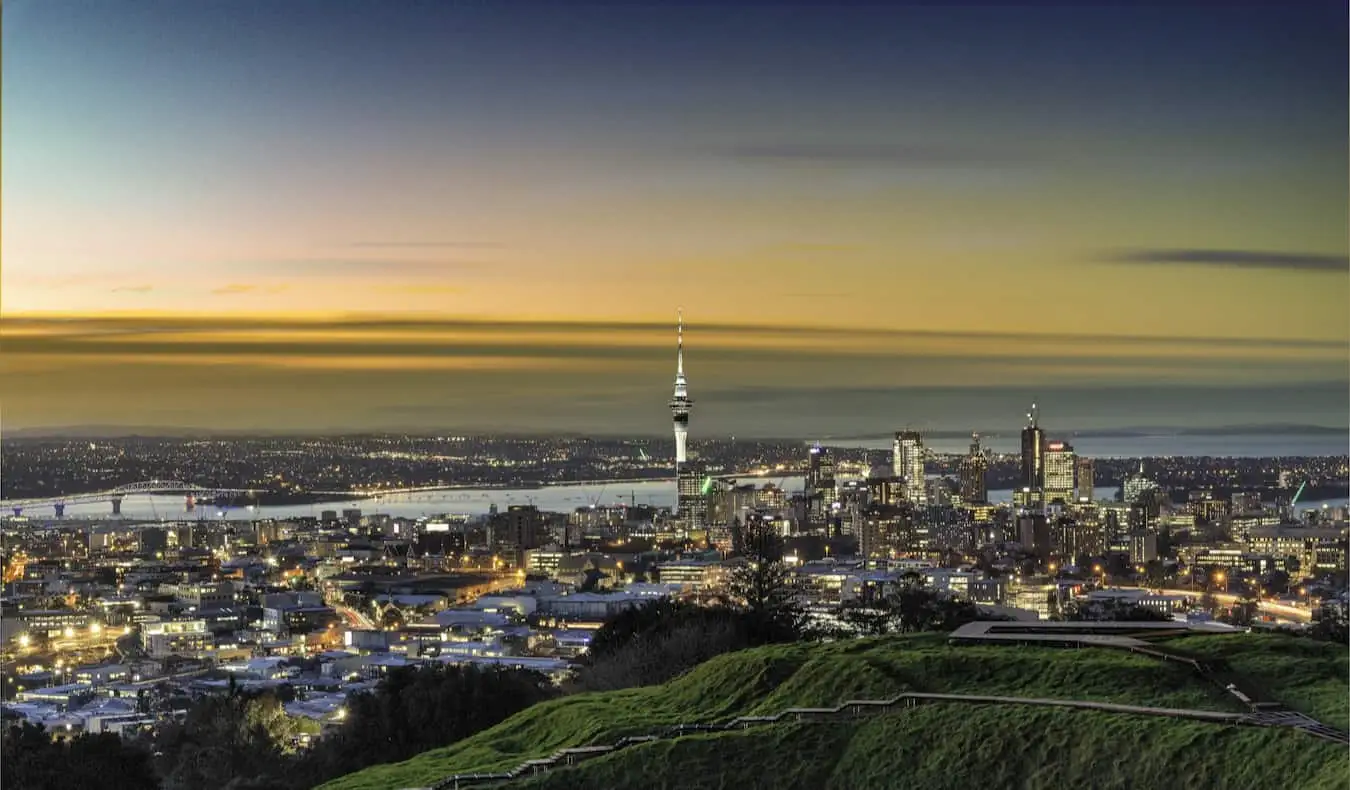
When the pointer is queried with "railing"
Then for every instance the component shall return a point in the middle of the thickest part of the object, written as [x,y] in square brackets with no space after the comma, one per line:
[860,707]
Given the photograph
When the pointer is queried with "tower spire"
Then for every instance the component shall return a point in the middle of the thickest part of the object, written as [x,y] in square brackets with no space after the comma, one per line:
[680,401]
[679,343]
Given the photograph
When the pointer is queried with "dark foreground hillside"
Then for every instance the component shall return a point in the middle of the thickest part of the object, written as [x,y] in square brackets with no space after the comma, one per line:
[936,746]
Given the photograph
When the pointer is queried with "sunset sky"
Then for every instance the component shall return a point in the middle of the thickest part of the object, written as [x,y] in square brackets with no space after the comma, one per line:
[349,215]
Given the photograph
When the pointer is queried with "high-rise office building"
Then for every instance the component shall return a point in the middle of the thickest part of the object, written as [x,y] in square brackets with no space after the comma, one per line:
[692,487]
[1087,473]
[973,469]
[820,484]
[1058,472]
[820,471]
[680,405]
[908,463]
[1033,453]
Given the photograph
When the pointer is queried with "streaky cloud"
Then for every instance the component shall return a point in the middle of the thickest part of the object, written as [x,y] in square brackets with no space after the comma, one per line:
[1234,259]
[427,245]
[69,326]
[875,154]
[322,267]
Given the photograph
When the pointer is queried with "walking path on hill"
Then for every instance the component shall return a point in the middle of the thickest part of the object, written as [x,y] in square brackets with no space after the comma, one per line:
[1265,710]
[853,709]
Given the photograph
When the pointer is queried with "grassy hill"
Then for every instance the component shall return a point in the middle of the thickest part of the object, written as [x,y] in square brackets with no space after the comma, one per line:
[1306,675]
[935,746]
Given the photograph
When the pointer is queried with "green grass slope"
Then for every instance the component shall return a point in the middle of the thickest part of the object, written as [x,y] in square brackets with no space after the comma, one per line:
[1306,675]
[766,680]
[949,747]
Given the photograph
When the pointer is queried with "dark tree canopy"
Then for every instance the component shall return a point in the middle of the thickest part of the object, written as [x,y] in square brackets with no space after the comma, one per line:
[31,759]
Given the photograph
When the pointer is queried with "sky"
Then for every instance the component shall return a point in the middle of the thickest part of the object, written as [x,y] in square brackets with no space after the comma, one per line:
[412,215]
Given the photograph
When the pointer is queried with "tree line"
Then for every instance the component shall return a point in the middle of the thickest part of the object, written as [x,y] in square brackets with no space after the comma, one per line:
[244,740]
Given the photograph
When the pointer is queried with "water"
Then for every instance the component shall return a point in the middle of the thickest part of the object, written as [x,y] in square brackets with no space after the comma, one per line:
[657,493]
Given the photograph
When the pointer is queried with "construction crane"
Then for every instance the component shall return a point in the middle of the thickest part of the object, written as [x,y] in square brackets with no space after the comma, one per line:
[1298,493]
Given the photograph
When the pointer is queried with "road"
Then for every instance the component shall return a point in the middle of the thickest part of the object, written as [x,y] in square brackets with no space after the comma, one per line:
[1268,607]
[355,620]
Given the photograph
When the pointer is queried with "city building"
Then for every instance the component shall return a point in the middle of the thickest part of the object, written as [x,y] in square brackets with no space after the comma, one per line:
[1033,453]
[1086,479]
[187,638]
[908,464]
[692,488]
[885,490]
[973,472]
[820,482]
[1058,472]
[1136,485]
[1314,550]
[516,531]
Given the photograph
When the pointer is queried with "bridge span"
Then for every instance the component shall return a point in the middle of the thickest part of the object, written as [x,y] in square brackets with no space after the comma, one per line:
[115,496]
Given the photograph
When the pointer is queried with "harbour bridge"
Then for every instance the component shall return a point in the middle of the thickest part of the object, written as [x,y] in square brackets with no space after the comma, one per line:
[193,493]
[115,496]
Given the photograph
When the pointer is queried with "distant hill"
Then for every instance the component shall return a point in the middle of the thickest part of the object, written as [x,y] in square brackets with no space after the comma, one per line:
[172,432]
[934,746]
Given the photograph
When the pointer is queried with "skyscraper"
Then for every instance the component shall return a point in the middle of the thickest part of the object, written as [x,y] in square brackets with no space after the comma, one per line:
[820,481]
[1086,477]
[680,405]
[1033,453]
[1058,472]
[692,488]
[974,487]
[908,463]
[818,459]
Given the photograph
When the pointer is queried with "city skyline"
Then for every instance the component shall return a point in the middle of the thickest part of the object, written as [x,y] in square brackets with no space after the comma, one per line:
[874,218]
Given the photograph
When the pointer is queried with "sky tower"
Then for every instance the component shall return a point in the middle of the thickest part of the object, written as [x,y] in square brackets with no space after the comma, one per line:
[680,404]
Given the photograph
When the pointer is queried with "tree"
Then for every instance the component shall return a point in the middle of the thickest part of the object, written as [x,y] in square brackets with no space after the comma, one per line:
[226,737]
[761,585]
[417,709]
[1244,611]
[1332,624]
[1276,582]
[1155,573]
[910,608]
[592,579]
[655,642]
[1112,610]
[30,758]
